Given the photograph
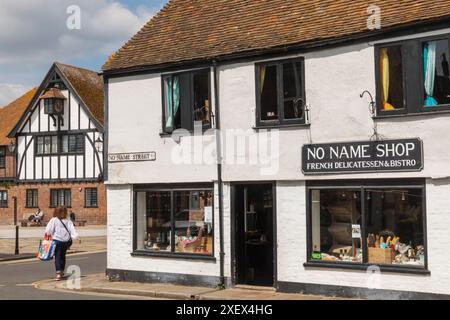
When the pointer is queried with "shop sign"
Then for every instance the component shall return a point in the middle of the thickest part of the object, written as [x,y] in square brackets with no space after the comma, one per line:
[132,157]
[363,156]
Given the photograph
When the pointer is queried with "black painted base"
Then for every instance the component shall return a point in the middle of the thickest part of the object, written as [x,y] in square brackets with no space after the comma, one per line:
[355,292]
[162,277]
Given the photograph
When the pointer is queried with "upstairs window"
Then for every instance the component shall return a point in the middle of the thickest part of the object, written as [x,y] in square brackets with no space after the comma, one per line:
[2,157]
[280,94]
[186,99]
[413,76]
[65,144]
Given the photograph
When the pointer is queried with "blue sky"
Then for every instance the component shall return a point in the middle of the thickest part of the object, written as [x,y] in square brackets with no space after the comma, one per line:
[34,33]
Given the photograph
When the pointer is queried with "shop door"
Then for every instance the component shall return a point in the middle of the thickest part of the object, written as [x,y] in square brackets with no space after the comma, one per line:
[254,234]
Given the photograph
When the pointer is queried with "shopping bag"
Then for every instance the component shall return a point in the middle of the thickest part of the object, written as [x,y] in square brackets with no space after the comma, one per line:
[46,249]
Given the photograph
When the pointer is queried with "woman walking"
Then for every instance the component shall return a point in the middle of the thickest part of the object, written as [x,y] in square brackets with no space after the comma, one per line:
[63,232]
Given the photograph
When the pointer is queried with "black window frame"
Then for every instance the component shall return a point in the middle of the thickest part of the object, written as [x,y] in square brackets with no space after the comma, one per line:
[172,189]
[88,201]
[280,122]
[58,190]
[4,203]
[34,194]
[187,116]
[79,137]
[413,78]
[2,157]
[362,185]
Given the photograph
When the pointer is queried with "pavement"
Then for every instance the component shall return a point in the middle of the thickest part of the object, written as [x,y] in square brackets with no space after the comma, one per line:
[8,232]
[99,283]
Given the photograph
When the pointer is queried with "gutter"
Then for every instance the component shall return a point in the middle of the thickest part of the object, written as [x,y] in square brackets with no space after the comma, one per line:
[219,173]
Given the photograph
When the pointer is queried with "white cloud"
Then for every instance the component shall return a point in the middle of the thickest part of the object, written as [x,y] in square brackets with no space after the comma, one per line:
[10,92]
[34,33]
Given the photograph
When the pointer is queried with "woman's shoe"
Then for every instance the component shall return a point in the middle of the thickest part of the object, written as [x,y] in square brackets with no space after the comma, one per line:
[59,277]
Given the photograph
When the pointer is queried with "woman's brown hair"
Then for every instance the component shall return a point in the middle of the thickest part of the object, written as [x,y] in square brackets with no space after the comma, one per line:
[60,212]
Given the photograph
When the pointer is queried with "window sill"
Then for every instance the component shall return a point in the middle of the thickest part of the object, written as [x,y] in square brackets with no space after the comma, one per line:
[91,207]
[363,267]
[282,126]
[173,255]
[407,115]
[185,134]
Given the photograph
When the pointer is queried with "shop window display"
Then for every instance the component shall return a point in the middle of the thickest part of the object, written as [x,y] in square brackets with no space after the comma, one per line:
[388,231]
[174,221]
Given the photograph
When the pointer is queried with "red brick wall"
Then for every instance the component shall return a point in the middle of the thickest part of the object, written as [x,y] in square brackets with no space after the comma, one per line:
[92,215]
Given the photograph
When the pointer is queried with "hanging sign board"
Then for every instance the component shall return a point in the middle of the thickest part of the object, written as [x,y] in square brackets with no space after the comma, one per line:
[363,156]
[131,157]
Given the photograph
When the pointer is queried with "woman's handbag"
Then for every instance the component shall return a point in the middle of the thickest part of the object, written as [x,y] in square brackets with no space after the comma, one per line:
[46,249]
[70,242]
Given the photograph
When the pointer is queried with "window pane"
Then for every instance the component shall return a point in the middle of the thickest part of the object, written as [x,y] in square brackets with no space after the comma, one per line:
[335,214]
[53,198]
[172,103]
[436,73]
[40,145]
[395,226]
[3,199]
[193,221]
[54,144]
[47,145]
[31,200]
[158,234]
[293,105]
[201,97]
[391,78]
[67,198]
[65,144]
[268,92]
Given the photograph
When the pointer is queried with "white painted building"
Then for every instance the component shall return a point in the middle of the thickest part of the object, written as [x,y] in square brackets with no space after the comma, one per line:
[319,190]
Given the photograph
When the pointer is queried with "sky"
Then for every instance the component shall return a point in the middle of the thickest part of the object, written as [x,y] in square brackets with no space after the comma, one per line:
[35,33]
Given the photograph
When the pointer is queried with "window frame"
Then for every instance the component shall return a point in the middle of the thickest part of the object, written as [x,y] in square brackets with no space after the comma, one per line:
[65,200]
[413,79]
[172,189]
[361,185]
[86,203]
[2,203]
[2,157]
[33,192]
[280,122]
[59,141]
[191,73]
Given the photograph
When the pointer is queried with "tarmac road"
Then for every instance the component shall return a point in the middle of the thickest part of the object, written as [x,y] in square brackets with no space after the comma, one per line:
[17,278]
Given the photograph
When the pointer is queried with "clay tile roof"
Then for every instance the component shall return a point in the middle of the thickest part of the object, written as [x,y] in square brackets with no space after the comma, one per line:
[10,115]
[53,93]
[189,30]
[89,87]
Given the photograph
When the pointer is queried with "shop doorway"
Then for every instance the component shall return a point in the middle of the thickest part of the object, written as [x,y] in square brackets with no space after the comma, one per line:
[254,233]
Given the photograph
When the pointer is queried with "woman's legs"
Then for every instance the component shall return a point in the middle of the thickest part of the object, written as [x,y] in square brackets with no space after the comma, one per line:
[60,256]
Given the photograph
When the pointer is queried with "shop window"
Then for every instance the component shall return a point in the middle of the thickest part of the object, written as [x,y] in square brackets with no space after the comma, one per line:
[90,198]
[2,157]
[193,221]
[186,100]
[31,198]
[60,197]
[280,93]
[413,76]
[175,221]
[3,199]
[368,225]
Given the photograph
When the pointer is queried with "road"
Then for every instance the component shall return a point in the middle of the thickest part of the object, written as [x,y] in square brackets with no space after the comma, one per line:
[16,278]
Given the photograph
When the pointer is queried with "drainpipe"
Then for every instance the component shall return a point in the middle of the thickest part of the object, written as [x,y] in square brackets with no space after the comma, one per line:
[219,173]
